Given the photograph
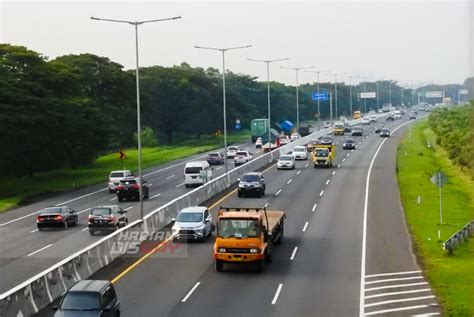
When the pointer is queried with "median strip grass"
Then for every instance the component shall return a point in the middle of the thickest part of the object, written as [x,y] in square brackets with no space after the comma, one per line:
[16,191]
[451,276]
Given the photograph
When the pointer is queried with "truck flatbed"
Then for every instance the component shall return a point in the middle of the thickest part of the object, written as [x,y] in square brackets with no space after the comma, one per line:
[274,217]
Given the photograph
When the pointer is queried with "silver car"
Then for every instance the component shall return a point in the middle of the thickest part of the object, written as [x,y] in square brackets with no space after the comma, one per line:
[286,162]
[192,223]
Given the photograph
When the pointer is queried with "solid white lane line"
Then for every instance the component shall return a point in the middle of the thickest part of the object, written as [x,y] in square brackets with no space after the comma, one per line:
[399,300]
[327,182]
[394,279]
[174,165]
[85,229]
[190,292]
[129,207]
[314,207]
[17,219]
[266,205]
[321,193]
[278,192]
[39,250]
[218,168]
[277,294]
[112,199]
[293,254]
[307,164]
[398,293]
[155,196]
[305,226]
[83,196]
[395,286]
[179,185]
[298,173]
[378,312]
[32,231]
[83,210]
[339,166]
[333,172]
[171,176]
[426,315]
[395,273]
[288,182]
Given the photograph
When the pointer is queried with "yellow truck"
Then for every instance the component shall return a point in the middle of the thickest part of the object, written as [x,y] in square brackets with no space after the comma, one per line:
[323,155]
[246,235]
[339,128]
[357,115]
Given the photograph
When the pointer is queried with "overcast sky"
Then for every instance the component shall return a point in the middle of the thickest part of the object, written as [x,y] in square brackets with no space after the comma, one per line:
[411,42]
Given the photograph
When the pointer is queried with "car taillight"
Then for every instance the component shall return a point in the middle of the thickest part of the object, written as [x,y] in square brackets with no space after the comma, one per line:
[39,218]
[58,218]
[119,187]
[135,186]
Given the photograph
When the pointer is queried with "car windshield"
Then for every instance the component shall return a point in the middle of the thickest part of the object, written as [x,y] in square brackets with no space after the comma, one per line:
[190,217]
[322,153]
[299,149]
[285,158]
[231,148]
[349,141]
[214,155]
[81,301]
[193,170]
[51,211]
[241,153]
[117,174]
[238,228]
[251,178]
[100,211]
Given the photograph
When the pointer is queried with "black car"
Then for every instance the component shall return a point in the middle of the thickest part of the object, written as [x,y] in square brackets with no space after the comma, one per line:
[129,188]
[252,183]
[62,217]
[215,158]
[89,298]
[357,131]
[378,128]
[349,144]
[384,133]
[106,218]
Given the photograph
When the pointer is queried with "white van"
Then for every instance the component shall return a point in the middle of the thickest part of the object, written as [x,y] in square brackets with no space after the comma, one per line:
[197,173]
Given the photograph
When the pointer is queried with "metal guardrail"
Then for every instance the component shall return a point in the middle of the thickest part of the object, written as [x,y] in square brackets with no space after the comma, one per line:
[42,289]
[461,235]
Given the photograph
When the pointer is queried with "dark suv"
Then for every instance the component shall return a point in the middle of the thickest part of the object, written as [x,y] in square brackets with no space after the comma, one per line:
[106,218]
[252,183]
[89,298]
[129,188]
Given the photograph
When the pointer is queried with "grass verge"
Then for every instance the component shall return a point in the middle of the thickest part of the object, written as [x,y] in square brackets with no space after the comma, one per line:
[451,276]
[16,191]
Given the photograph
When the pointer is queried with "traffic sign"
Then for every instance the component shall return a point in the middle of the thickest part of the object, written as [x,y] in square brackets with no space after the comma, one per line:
[320,95]
[238,126]
[439,179]
[237,121]
[121,155]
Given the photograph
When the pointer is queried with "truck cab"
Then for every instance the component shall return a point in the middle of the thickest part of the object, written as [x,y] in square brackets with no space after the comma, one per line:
[323,155]
[339,128]
[247,235]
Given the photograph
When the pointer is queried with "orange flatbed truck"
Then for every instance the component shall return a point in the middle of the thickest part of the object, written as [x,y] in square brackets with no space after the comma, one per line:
[247,235]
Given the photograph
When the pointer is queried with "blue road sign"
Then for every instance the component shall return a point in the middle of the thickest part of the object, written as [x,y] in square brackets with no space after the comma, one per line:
[320,96]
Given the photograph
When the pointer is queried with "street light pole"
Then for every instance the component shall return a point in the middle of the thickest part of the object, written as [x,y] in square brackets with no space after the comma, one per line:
[139,129]
[377,93]
[297,69]
[335,88]
[317,88]
[223,50]
[390,91]
[268,97]
[365,99]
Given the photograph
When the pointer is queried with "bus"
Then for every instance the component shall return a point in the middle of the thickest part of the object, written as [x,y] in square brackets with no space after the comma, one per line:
[357,115]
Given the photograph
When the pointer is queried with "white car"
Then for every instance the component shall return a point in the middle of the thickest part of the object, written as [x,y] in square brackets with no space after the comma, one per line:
[197,173]
[327,124]
[365,121]
[284,140]
[295,136]
[242,157]
[115,177]
[286,161]
[397,115]
[192,223]
[300,153]
[380,111]
[231,150]
[258,143]
[373,118]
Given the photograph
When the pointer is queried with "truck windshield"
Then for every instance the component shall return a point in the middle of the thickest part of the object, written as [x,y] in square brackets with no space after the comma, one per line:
[238,228]
[322,153]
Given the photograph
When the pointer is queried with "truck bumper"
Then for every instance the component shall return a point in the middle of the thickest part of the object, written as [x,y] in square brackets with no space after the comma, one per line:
[238,257]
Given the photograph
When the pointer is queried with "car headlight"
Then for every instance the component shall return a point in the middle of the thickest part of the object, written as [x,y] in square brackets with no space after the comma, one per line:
[254,251]
[198,232]
[221,250]
[241,185]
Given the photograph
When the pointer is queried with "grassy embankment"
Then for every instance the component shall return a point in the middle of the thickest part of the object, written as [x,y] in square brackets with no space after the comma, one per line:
[451,276]
[15,191]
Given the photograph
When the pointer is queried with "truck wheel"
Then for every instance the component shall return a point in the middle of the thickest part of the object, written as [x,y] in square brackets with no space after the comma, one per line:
[280,238]
[239,194]
[315,166]
[219,265]
[260,265]
[268,258]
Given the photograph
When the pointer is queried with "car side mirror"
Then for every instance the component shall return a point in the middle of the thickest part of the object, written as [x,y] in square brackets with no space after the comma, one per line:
[72,211]
[106,310]
[55,308]
[173,220]
[238,179]
[206,221]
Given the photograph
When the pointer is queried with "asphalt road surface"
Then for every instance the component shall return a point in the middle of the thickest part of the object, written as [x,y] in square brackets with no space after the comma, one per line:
[346,251]
[24,251]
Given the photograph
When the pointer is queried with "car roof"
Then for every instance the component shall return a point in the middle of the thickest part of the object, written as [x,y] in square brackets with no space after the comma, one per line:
[300,147]
[89,286]
[193,209]
[253,173]
[120,171]
[196,163]
[105,206]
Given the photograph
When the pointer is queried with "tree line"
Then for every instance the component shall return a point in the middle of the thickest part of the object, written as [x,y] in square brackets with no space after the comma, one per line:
[454,129]
[64,112]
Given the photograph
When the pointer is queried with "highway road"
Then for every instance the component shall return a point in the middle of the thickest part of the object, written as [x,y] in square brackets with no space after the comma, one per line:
[346,251]
[25,251]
